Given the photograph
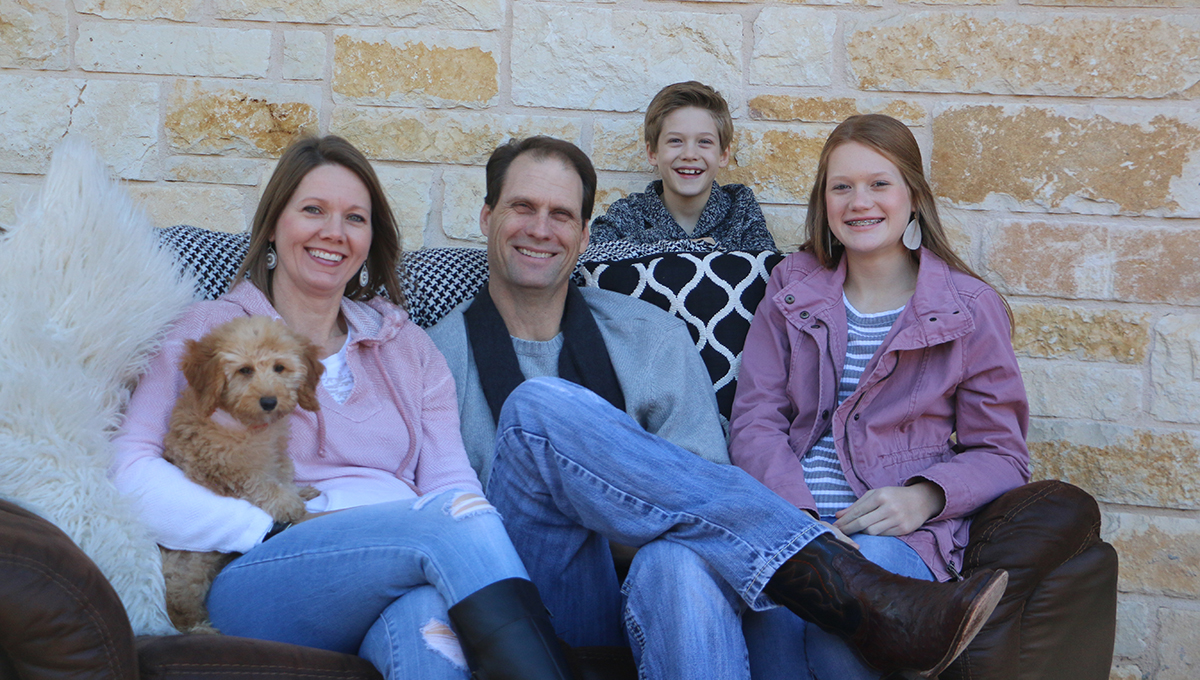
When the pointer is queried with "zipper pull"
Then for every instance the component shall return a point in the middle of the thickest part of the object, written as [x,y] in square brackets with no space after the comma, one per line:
[953,572]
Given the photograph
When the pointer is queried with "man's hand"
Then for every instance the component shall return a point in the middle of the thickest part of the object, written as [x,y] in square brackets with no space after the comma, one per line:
[839,535]
[892,510]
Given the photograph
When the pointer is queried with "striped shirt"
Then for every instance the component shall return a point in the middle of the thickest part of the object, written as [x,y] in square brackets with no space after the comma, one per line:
[822,470]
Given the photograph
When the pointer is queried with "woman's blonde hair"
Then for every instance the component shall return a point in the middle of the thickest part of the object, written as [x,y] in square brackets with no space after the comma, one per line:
[300,158]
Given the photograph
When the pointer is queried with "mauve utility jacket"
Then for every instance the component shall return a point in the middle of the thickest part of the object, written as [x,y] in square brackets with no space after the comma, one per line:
[946,367]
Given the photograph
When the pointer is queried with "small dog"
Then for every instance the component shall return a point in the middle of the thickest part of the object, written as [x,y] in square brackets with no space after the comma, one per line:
[229,433]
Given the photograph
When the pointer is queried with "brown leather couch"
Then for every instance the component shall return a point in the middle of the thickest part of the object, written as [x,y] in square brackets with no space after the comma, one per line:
[59,617]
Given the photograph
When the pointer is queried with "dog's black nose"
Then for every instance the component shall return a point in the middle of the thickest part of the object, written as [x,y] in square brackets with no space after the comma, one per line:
[268,403]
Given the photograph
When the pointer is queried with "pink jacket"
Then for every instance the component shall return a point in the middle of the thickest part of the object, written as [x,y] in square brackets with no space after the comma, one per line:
[947,366]
[396,437]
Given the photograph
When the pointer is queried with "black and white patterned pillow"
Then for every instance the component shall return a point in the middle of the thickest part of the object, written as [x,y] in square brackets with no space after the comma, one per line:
[435,280]
[715,294]
[213,257]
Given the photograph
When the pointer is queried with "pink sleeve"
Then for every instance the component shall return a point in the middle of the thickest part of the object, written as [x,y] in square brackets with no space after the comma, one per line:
[442,462]
[992,418]
[179,513]
[762,411]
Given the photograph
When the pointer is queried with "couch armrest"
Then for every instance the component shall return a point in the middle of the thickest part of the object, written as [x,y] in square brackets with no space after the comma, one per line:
[1061,575]
[59,617]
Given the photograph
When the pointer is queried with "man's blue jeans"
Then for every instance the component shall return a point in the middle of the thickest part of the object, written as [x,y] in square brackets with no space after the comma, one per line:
[572,472]
[374,580]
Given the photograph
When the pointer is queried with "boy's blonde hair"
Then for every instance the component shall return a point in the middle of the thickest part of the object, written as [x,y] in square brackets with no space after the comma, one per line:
[683,95]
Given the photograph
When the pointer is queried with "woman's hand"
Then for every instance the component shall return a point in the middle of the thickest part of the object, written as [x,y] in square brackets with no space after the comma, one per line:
[892,510]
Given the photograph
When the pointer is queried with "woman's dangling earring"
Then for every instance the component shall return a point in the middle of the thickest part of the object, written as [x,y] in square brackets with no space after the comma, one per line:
[912,234]
[272,258]
[363,277]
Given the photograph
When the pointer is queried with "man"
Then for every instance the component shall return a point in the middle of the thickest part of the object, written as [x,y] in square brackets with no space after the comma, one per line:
[617,439]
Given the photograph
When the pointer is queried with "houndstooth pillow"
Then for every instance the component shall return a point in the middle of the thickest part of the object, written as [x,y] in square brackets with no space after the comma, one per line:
[435,280]
[715,294]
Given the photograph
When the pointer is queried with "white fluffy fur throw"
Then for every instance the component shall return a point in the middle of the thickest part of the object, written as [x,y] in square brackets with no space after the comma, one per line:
[85,297]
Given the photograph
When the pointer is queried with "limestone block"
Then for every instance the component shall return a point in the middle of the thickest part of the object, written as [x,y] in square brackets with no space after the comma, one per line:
[950,2]
[118,118]
[42,112]
[440,137]
[416,68]
[1084,55]
[216,170]
[1125,673]
[1120,464]
[1175,369]
[477,15]
[617,144]
[462,199]
[409,195]
[33,34]
[1179,647]
[1101,160]
[784,107]
[304,55]
[1065,390]
[174,10]
[1159,555]
[793,46]
[599,59]
[778,161]
[1136,625]
[609,190]
[1053,331]
[1038,258]
[1156,265]
[173,50]
[216,208]
[786,224]
[14,196]
[1110,3]
[249,119]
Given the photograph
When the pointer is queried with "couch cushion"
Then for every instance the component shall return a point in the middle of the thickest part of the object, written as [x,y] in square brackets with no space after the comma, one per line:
[715,294]
[206,657]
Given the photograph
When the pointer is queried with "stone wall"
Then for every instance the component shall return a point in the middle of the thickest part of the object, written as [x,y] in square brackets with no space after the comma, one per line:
[1063,137]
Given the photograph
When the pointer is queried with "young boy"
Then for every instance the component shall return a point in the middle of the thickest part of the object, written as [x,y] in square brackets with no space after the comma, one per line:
[688,130]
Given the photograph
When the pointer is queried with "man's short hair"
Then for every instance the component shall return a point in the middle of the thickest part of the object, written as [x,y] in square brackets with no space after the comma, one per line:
[541,147]
[683,95]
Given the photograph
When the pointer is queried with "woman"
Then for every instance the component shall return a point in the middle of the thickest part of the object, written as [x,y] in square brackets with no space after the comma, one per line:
[384,449]
[879,390]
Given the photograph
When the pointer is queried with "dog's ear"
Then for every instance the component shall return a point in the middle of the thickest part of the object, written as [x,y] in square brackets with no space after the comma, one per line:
[202,368]
[314,369]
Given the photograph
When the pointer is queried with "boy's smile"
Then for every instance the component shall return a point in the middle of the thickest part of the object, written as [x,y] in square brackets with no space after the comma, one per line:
[687,155]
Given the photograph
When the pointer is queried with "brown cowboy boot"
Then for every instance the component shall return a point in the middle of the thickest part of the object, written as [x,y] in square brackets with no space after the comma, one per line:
[894,622]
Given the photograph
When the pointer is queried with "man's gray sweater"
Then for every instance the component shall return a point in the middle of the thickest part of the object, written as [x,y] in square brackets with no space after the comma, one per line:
[667,389]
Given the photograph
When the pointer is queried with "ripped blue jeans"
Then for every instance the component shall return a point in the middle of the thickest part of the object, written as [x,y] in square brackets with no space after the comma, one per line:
[374,580]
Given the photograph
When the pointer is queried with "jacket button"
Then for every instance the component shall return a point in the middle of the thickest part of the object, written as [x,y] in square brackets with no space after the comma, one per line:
[804,315]
[824,414]
[933,318]
[789,299]
[856,415]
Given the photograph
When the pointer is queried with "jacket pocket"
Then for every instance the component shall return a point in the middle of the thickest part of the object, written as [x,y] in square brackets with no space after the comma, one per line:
[912,461]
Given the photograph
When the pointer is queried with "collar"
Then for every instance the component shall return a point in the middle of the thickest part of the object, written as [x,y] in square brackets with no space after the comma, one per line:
[712,216]
[224,419]
[935,314]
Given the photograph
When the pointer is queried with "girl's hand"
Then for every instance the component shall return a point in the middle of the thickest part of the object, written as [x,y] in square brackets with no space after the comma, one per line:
[892,510]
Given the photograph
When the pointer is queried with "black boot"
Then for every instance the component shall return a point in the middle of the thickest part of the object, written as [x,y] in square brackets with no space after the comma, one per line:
[895,623]
[505,634]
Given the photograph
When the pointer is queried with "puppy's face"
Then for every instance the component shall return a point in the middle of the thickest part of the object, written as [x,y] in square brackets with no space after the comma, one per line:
[254,368]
